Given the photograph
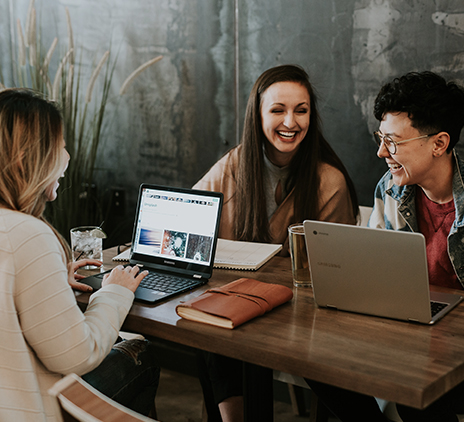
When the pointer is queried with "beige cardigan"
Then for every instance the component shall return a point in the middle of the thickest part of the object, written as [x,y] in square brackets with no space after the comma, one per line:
[334,201]
[43,332]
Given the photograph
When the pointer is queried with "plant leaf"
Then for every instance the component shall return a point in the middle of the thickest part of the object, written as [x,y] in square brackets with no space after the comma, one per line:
[93,78]
[137,72]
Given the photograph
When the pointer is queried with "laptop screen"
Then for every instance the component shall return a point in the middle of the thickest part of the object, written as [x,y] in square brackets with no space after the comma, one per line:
[176,227]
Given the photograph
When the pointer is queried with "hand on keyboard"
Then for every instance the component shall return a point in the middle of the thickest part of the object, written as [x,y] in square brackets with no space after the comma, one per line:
[129,277]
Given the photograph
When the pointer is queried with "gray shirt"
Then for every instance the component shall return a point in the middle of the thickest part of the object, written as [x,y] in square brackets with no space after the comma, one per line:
[272,176]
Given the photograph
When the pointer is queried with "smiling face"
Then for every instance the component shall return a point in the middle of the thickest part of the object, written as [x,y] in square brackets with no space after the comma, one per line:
[51,191]
[285,113]
[413,162]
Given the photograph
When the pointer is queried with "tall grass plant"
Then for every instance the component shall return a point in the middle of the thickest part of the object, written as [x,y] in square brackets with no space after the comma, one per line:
[83,107]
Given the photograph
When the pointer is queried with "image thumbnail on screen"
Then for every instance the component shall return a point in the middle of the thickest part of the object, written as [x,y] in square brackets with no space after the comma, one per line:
[174,243]
[199,247]
[151,237]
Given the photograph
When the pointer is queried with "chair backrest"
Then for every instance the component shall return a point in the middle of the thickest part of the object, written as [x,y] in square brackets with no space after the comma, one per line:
[364,214]
[79,401]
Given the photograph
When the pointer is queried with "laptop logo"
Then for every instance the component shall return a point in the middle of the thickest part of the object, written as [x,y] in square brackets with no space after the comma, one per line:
[169,262]
[315,233]
[329,264]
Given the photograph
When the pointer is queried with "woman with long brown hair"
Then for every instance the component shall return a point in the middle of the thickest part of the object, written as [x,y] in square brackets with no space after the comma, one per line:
[283,172]
[284,168]
[44,333]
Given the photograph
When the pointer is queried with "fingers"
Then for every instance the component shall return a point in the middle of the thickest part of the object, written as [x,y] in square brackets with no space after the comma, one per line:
[129,277]
[80,286]
[126,269]
[138,275]
[83,262]
[132,270]
[141,275]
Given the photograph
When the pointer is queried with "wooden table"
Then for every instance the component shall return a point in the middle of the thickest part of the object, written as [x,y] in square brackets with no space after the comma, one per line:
[403,362]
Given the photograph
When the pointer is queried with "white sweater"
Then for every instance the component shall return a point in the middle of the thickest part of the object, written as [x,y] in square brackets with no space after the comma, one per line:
[43,332]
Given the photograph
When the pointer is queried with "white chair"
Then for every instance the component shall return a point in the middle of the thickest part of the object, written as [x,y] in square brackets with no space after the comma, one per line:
[130,336]
[388,408]
[295,381]
[79,401]
[317,413]
[364,214]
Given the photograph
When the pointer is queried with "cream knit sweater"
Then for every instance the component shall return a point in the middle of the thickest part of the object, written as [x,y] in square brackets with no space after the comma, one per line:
[43,332]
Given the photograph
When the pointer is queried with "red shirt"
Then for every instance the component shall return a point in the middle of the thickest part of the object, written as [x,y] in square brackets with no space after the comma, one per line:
[435,221]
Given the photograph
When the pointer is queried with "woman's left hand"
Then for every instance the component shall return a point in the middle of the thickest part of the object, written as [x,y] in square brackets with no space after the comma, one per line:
[73,276]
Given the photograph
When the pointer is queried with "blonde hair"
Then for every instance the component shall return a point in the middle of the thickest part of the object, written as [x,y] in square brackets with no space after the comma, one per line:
[31,135]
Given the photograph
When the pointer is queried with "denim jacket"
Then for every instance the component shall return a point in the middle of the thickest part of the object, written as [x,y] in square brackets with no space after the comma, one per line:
[395,209]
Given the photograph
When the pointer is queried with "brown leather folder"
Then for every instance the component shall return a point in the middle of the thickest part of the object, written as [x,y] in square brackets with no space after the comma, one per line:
[235,303]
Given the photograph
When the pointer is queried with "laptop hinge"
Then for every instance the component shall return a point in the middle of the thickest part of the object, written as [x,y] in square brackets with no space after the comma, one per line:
[196,275]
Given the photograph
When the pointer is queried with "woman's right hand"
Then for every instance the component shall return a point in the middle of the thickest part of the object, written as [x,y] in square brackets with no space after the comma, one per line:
[129,277]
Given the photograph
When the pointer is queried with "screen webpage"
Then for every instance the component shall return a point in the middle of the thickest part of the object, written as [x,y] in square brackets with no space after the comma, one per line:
[176,225]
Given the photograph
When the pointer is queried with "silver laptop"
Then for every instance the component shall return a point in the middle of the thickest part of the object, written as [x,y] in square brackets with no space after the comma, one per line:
[175,235]
[373,271]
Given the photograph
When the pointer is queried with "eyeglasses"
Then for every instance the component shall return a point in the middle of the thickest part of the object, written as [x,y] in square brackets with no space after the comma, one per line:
[391,145]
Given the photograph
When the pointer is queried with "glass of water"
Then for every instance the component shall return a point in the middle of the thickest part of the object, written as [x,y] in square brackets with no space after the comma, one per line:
[299,257]
[87,243]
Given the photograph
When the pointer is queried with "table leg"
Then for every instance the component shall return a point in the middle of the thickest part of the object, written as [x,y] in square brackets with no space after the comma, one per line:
[257,393]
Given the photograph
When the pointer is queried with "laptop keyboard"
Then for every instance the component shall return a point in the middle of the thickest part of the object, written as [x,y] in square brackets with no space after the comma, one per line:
[436,307]
[166,283]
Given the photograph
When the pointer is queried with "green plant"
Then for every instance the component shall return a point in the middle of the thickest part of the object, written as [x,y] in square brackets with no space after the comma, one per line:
[78,202]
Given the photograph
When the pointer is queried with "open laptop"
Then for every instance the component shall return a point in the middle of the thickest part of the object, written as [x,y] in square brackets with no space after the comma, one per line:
[373,271]
[174,237]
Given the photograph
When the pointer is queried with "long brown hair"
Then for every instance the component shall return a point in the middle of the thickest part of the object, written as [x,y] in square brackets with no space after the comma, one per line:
[303,177]
[31,135]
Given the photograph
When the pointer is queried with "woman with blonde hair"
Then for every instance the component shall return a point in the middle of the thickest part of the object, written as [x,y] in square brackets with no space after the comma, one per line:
[283,172]
[44,333]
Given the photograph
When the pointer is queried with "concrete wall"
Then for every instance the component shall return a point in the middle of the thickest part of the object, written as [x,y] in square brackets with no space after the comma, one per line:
[183,113]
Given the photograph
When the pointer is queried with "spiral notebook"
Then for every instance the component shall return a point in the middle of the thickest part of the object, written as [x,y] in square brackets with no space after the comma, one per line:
[233,255]
[237,255]
[123,256]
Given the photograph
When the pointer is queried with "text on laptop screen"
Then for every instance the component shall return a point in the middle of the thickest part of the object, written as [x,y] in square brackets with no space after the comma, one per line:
[176,225]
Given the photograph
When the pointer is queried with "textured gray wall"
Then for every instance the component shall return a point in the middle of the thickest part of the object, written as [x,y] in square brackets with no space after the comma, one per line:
[183,113]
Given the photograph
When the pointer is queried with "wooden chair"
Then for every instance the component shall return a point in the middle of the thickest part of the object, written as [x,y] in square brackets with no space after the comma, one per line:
[79,401]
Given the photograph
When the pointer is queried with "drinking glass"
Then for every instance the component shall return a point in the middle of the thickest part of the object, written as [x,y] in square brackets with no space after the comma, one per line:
[87,243]
[300,263]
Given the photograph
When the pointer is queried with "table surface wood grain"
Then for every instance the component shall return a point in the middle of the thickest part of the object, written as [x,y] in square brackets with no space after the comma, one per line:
[407,363]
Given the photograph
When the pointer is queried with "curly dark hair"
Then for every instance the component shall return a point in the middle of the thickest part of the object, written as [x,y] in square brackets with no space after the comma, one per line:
[432,104]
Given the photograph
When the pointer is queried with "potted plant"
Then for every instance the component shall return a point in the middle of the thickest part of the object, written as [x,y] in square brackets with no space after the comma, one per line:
[83,115]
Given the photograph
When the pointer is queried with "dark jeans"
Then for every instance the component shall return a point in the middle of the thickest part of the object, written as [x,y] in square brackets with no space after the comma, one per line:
[220,378]
[349,406]
[129,375]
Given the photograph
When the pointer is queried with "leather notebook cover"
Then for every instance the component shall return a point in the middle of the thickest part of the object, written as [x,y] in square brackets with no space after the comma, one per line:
[234,303]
